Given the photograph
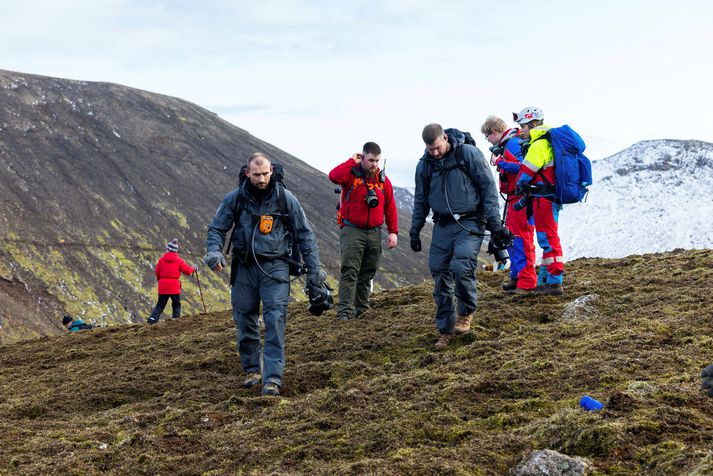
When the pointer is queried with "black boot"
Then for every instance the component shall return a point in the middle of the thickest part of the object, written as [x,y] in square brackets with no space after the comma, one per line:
[510,285]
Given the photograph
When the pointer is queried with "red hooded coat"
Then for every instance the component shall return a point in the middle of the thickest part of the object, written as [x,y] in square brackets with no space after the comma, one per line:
[168,272]
[354,209]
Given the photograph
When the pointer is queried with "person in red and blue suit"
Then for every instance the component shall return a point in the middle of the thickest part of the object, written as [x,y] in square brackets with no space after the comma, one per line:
[507,157]
[537,174]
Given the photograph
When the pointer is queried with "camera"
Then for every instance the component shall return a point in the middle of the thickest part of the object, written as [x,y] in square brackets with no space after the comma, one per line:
[500,254]
[371,199]
[496,150]
[338,189]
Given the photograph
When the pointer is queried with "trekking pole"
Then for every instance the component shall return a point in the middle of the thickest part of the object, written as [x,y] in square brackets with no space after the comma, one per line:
[200,290]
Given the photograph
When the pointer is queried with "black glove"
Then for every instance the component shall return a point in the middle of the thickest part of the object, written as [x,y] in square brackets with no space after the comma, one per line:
[502,237]
[707,376]
[416,244]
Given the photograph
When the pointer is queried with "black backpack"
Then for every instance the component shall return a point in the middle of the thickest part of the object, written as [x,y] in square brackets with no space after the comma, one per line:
[426,172]
[278,175]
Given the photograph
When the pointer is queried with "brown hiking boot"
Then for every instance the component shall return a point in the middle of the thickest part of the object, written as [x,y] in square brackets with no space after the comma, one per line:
[510,285]
[550,290]
[522,291]
[463,324]
[271,389]
[443,341]
[252,379]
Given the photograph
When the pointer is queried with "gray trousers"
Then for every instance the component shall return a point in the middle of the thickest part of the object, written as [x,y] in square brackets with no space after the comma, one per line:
[453,260]
[361,251]
[252,286]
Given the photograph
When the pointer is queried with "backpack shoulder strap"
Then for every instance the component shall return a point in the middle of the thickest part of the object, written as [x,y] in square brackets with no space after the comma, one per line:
[426,177]
[282,205]
[239,204]
[546,136]
[460,161]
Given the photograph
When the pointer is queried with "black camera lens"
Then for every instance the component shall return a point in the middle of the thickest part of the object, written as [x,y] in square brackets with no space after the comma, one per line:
[371,199]
[500,254]
[496,150]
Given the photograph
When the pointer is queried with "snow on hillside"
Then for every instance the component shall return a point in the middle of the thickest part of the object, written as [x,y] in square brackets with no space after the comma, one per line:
[404,198]
[654,196]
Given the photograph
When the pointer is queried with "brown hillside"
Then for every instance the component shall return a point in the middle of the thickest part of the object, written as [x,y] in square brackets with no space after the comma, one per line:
[96,177]
[370,397]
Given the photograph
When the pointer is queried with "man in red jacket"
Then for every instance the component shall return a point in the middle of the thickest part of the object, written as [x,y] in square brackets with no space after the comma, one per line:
[367,197]
[168,273]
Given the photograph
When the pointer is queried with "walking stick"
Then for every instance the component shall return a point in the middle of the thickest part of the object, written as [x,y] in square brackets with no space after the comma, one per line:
[200,290]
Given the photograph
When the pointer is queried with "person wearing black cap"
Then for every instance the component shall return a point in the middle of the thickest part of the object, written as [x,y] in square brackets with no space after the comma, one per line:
[168,273]
[75,325]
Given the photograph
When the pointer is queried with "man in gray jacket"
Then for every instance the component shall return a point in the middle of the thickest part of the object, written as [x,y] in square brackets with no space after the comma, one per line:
[453,180]
[262,243]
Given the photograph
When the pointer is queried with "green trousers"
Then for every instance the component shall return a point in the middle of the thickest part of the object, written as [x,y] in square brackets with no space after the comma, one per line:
[361,252]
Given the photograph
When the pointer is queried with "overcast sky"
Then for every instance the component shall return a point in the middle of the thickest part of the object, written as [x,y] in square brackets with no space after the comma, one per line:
[320,78]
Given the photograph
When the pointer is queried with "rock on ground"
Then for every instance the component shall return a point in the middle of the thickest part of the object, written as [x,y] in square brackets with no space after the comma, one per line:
[552,463]
[580,308]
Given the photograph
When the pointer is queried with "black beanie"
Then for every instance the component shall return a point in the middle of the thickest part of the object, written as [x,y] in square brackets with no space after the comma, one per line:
[66,320]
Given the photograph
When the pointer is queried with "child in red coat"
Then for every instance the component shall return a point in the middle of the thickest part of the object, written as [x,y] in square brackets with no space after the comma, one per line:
[168,273]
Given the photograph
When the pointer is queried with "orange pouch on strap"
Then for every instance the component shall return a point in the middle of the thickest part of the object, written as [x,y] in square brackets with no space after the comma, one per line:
[265,224]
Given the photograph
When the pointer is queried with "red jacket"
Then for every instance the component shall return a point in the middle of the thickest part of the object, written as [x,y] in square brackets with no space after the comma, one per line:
[168,272]
[354,210]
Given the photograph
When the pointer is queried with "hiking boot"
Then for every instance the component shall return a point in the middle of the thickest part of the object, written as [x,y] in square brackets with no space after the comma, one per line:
[463,324]
[152,320]
[443,341]
[510,285]
[550,290]
[271,389]
[252,379]
[522,291]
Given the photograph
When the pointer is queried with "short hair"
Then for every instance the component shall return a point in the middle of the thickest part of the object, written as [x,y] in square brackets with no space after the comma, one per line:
[371,148]
[258,157]
[431,132]
[493,124]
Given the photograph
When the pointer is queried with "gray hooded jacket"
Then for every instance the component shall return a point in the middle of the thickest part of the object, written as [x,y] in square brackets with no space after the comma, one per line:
[274,245]
[464,195]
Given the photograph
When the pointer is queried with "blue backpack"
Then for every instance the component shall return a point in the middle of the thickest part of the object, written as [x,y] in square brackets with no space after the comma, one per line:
[573,170]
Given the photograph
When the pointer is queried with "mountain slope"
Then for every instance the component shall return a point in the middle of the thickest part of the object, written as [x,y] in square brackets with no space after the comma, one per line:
[654,196]
[95,178]
[370,397]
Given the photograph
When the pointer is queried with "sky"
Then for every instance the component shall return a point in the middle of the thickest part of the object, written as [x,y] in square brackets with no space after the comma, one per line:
[319,78]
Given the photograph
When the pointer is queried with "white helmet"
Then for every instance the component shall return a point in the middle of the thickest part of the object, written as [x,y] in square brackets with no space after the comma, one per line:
[529,114]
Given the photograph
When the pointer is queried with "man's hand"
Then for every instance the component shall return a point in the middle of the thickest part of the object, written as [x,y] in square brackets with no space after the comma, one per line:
[392,240]
[214,260]
[416,243]
[357,157]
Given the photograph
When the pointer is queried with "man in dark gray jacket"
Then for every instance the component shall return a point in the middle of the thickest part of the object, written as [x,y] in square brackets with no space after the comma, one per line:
[262,242]
[453,180]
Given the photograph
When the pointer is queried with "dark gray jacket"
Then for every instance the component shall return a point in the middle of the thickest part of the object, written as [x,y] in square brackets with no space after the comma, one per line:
[464,196]
[274,245]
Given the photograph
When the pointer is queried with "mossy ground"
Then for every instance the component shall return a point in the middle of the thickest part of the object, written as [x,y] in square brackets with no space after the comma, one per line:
[369,396]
